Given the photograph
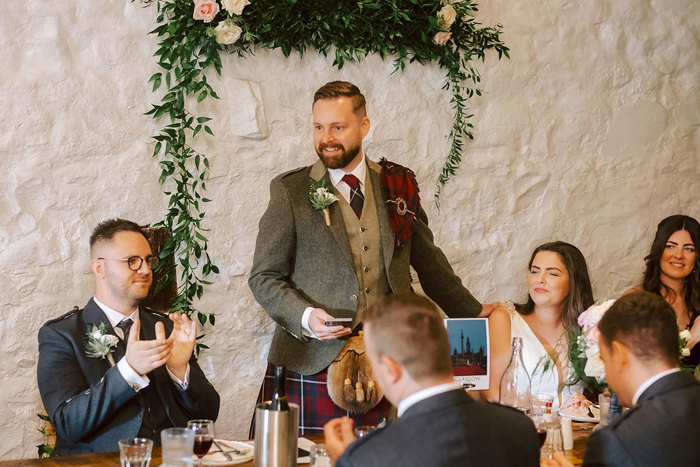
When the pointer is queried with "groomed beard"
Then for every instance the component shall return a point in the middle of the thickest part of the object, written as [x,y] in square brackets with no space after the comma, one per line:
[346,157]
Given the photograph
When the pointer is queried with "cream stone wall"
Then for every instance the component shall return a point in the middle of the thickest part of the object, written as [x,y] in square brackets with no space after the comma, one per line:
[589,134]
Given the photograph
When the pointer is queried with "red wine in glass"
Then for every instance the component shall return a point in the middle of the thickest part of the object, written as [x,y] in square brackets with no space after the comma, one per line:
[203,437]
[541,432]
[202,443]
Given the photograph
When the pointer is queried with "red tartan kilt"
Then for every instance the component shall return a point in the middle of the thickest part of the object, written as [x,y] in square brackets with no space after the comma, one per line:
[315,405]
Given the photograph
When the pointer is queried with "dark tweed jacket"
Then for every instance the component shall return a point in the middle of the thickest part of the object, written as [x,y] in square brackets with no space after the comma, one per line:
[301,262]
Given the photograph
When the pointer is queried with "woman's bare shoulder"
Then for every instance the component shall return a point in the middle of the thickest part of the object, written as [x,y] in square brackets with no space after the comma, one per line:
[636,288]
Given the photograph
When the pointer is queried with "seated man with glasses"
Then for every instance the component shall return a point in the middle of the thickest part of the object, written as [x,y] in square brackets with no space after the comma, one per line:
[113,369]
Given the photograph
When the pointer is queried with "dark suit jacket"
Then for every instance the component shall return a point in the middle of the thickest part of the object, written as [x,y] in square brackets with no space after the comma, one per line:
[661,430]
[300,262]
[90,404]
[449,429]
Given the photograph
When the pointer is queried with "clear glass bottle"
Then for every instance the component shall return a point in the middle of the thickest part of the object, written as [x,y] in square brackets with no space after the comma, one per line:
[514,390]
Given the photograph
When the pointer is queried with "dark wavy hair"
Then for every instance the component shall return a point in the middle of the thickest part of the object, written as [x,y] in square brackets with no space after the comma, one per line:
[580,295]
[652,274]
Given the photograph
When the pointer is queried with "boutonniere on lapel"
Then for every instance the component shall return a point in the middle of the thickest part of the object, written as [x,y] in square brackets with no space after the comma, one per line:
[321,198]
[100,344]
[400,191]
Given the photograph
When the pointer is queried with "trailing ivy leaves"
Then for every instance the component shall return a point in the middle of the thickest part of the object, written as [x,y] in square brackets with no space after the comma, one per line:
[348,30]
[184,52]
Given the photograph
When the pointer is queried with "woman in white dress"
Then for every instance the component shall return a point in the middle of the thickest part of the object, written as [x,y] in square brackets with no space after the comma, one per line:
[559,290]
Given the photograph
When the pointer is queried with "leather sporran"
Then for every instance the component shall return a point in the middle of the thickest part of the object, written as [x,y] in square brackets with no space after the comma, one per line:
[350,382]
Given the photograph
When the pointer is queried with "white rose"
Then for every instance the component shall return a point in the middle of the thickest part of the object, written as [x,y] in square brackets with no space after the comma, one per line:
[685,352]
[685,334]
[446,16]
[227,33]
[110,339]
[235,6]
[595,367]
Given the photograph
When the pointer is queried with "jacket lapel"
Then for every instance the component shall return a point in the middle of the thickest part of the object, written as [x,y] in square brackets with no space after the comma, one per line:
[337,227]
[93,316]
[385,230]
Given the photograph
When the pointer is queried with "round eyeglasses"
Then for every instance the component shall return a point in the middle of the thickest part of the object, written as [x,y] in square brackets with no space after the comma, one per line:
[135,262]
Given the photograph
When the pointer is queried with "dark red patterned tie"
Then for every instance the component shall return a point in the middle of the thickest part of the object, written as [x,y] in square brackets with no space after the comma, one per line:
[357,200]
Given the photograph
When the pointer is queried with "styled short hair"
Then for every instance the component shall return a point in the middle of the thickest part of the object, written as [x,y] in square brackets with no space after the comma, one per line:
[335,89]
[105,230]
[645,323]
[580,295]
[652,274]
[408,328]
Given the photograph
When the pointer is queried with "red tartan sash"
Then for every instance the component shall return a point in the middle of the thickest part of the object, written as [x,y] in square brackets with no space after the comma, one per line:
[400,191]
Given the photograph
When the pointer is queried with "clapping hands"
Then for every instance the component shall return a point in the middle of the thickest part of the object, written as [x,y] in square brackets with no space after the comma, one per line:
[174,351]
[183,339]
[146,356]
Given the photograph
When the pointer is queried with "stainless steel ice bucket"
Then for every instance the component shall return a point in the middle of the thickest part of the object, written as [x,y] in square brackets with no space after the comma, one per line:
[276,435]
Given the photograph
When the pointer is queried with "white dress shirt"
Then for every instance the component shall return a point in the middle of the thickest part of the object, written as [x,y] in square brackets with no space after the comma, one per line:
[133,379]
[336,176]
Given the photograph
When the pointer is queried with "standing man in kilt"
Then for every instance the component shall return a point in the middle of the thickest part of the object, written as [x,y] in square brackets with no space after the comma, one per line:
[316,261]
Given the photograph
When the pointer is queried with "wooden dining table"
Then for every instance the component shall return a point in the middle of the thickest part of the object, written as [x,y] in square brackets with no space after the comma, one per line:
[111,459]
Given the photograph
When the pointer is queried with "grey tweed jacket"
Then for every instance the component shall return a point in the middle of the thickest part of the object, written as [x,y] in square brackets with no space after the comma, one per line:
[301,262]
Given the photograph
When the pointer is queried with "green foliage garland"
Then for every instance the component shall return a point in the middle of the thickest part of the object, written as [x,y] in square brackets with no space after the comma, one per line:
[407,30]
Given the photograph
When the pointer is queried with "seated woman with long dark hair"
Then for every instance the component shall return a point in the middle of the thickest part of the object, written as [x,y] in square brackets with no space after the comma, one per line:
[672,272]
[559,290]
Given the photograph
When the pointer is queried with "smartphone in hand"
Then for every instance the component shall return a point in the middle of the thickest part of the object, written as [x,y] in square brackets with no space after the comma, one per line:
[338,322]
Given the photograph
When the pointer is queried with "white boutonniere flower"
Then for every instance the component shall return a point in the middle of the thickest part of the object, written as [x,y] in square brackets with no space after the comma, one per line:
[100,344]
[321,199]
[683,342]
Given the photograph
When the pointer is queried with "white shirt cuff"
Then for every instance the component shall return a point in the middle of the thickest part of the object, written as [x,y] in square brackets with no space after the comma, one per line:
[306,330]
[133,379]
[183,384]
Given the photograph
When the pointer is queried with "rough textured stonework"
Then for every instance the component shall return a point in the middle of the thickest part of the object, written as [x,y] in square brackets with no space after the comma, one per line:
[589,134]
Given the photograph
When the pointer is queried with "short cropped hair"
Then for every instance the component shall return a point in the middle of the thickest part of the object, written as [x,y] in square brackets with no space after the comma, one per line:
[646,324]
[105,230]
[408,328]
[335,89]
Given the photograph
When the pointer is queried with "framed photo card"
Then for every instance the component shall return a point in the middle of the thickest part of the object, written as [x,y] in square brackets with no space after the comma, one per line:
[469,348]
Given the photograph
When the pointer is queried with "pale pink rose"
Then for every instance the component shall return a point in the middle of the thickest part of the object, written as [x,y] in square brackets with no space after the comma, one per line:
[205,10]
[589,318]
[442,37]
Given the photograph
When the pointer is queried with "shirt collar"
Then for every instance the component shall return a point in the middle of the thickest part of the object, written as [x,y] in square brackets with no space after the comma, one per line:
[113,315]
[423,394]
[645,385]
[336,175]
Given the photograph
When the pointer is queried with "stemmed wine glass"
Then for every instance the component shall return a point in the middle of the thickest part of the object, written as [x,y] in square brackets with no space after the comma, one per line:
[203,437]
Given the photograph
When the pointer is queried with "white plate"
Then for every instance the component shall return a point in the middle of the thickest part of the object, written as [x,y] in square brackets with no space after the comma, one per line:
[216,458]
[577,418]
